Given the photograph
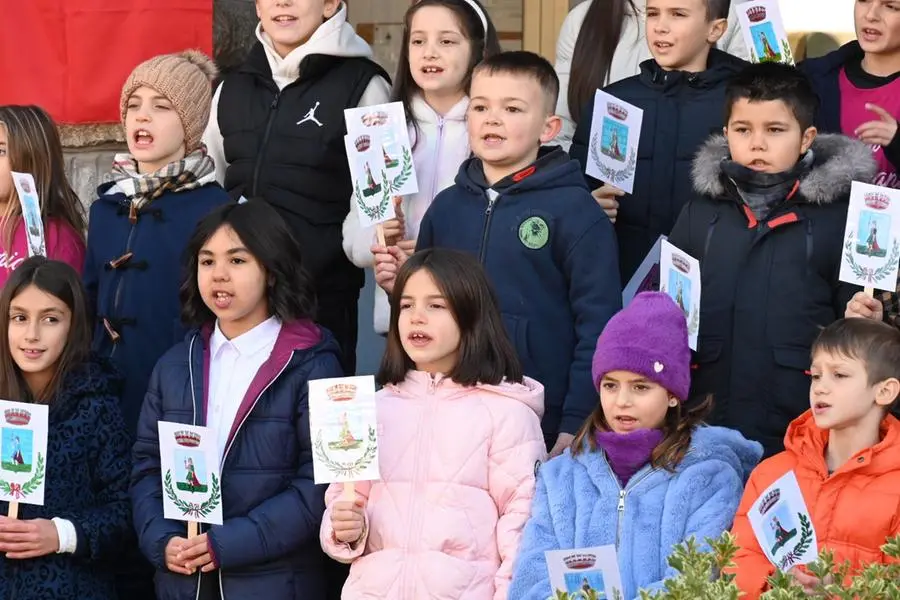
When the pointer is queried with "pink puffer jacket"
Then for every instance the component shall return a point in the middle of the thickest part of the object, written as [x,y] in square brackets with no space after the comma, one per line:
[457,477]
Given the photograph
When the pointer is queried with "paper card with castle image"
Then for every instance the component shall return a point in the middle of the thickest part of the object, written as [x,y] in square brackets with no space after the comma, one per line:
[388,123]
[23,452]
[31,213]
[763,31]
[646,278]
[343,427]
[782,525]
[191,480]
[585,573]
[615,134]
[871,253]
[372,195]
[679,277]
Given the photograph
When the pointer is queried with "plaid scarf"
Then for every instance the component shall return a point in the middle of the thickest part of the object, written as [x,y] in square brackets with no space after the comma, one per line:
[193,171]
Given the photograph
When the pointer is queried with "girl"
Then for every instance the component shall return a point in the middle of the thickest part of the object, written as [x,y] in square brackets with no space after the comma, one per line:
[29,143]
[642,473]
[443,40]
[461,439]
[243,373]
[603,41]
[64,548]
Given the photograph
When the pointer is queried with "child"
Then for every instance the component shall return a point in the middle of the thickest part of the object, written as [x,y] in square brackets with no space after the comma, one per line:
[454,391]
[277,131]
[244,374]
[64,548]
[681,91]
[844,452]
[767,228]
[143,218]
[547,247]
[29,143]
[443,40]
[643,472]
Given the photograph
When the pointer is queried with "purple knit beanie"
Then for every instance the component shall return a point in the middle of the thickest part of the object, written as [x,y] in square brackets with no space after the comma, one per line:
[648,337]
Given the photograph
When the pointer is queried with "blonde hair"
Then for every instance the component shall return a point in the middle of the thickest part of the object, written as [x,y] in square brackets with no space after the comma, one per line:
[33,146]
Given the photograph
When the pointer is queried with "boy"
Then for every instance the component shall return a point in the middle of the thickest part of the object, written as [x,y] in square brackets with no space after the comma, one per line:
[277,131]
[845,452]
[767,228]
[139,227]
[547,247]
[680,90]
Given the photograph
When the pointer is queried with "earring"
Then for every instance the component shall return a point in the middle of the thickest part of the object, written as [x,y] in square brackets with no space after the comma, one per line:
[673,402]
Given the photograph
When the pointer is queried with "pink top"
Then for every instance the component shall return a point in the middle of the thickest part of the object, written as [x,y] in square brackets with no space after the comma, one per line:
[854,114]
[63,243]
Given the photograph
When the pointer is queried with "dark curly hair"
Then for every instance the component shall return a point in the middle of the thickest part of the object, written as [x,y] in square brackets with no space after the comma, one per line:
[289,293]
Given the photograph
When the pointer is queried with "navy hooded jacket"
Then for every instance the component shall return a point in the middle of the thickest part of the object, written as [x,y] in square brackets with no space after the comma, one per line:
[268,545]
[86,483]
[550,252]
[681,110]
[132,273]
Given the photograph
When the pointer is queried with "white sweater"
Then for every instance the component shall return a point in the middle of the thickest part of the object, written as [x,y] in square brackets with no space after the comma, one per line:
[441,146]
[630,53]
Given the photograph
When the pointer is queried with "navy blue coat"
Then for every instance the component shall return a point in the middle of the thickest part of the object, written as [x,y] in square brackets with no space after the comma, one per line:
[555,296]
[268,546]
[139,299]
[87,483]
[681,110]
[768,286]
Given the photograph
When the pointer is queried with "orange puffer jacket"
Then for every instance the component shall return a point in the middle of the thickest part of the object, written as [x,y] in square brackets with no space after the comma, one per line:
[853,511]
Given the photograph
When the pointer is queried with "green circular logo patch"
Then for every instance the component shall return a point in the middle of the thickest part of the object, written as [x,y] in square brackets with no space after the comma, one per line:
[534,233]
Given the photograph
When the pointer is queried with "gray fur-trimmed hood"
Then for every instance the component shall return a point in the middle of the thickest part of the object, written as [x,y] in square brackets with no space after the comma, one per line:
[837,161]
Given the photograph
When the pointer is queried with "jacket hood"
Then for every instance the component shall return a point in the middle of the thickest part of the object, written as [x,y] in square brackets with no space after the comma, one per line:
[833,61]
[423,113]
[419,383]
[553,170]
[837,162]
[723,444]
[334,37]
[720,66]
[94,377]
[807,442]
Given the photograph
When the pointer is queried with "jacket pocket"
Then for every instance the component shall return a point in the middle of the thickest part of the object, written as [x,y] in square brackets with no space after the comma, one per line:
[790,382]
[703,368]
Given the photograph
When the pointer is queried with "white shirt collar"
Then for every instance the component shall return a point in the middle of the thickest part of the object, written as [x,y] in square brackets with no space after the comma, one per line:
[249,342]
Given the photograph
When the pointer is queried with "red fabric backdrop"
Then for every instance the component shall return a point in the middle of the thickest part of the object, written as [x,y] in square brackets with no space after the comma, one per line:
[72,56]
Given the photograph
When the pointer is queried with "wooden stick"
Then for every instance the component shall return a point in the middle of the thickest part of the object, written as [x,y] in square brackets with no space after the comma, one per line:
[870,292]
[13,510]
[379,233]
[193,529]
[348,493]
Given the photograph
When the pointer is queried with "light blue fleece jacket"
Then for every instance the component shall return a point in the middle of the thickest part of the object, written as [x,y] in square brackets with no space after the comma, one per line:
[579,503]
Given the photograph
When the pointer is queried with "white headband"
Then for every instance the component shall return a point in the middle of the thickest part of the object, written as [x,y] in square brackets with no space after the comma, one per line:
[481,15]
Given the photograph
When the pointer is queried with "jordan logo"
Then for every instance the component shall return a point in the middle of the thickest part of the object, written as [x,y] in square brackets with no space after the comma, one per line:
[311,116]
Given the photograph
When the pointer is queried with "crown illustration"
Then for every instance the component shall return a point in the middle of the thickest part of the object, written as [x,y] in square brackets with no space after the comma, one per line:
[769,501]
[580,561]
[756,14]
[17,416]
[372,119]
[188,439]
[362,143]
[341,392]
[681,263]
[877,200]
[616,111]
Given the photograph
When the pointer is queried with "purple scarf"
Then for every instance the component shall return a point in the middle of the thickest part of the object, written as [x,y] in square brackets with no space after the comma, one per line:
[628,452]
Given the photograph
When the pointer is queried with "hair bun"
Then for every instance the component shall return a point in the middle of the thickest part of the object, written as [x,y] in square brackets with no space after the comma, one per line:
[202,61]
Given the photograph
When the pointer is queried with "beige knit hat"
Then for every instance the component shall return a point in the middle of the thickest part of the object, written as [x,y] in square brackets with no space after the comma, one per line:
[185,79]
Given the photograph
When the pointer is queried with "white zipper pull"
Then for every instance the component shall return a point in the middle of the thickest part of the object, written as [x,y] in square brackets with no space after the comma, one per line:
[432,383]
[621,508]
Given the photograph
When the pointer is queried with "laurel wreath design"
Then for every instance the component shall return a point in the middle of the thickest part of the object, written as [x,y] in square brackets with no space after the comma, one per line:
[405,171]
[806,535]
[375,212]
[694,323]
[608,174]
[194,509]
[13,489]
[869,274]
[347,469]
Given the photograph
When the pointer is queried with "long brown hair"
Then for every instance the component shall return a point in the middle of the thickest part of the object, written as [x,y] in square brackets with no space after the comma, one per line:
[33,146]
[62,281]
[677,429]
[594,49]
[485,353]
